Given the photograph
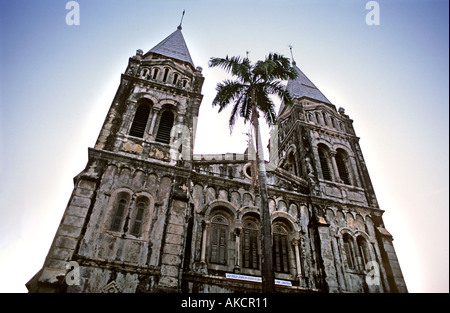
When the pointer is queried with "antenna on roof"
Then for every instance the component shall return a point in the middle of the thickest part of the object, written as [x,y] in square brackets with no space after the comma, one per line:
[181,22]
[292,55]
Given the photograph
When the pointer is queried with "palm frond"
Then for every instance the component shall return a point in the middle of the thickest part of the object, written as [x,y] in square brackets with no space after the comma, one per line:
[241,68]
[265,104]
[264,78]
[275,66]
[227,92]
[277,88]
[246,108]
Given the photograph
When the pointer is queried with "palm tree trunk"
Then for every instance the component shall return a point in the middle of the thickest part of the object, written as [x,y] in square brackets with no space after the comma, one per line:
[268,276]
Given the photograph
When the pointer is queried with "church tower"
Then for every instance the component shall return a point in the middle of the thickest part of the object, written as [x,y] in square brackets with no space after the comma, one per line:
[128,207]
[317,142]
[148,215]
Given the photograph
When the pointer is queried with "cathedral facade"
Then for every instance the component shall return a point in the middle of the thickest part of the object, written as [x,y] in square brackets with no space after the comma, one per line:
[148,215]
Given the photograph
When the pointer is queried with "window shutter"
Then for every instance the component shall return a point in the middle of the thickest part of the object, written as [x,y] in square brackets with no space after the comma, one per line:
[324,165]
[281,253]
[222,246]
[342,168]
[165,126]
[254,249]
[284,254]
[348,253]
[118,216]
[137,226]
[214,244]
[246,249]
[140,121]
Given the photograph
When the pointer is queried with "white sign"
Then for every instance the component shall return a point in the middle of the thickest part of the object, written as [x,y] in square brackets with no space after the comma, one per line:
[256,279]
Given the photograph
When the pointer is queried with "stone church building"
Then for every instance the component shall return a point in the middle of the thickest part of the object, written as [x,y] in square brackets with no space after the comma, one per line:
[147,215]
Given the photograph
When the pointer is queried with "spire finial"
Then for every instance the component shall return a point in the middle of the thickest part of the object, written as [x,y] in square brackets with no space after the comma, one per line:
[181,22]
[292,55]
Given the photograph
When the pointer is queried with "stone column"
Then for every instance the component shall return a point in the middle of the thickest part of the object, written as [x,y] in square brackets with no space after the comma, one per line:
[335,167]
[152,125]
[297,257]
[206,225]
[237,261]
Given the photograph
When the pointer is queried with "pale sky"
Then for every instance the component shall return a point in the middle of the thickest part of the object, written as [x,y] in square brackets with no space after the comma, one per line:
[58,81]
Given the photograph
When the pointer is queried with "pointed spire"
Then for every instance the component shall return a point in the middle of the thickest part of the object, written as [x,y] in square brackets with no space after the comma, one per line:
[181,22]
[292,55]
[302,86]
[174,46]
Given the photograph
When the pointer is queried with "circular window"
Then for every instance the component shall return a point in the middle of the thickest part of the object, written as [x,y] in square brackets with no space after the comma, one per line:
[248,170]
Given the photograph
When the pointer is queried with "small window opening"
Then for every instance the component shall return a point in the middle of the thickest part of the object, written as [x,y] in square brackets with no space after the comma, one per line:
[137,226]
[118,216]
[165,126]
[324,164]
[140,121]
[166,73]
[155,73]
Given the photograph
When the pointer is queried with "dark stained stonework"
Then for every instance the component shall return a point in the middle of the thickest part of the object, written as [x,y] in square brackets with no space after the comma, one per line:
[184,222]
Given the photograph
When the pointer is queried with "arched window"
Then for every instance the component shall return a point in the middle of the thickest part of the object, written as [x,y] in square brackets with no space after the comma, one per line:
[218,240]
[333,122]
[325,118]
[175,79]
[155,73]
[363,248]
[323,158]
[166,73]
[120,208]
[317,118]
[341,162]
[140,119]
[144,73]
[250,258]
[280,249]
[348,249]
[165,126]
[292,162]
[141,206]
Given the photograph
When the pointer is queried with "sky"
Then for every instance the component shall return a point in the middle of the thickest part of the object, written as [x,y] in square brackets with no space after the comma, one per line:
[57,83]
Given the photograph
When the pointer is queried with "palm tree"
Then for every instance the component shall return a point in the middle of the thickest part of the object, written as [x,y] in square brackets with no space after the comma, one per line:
[249,94]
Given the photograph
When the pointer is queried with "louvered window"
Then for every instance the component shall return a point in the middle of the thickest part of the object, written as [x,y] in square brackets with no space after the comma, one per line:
[280,250]
[348,249]
[165,126]
[218,240]
[363,249]
[324,164]
[250,246]
[140,121]
[138,220]
[342,167]
[121,206]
